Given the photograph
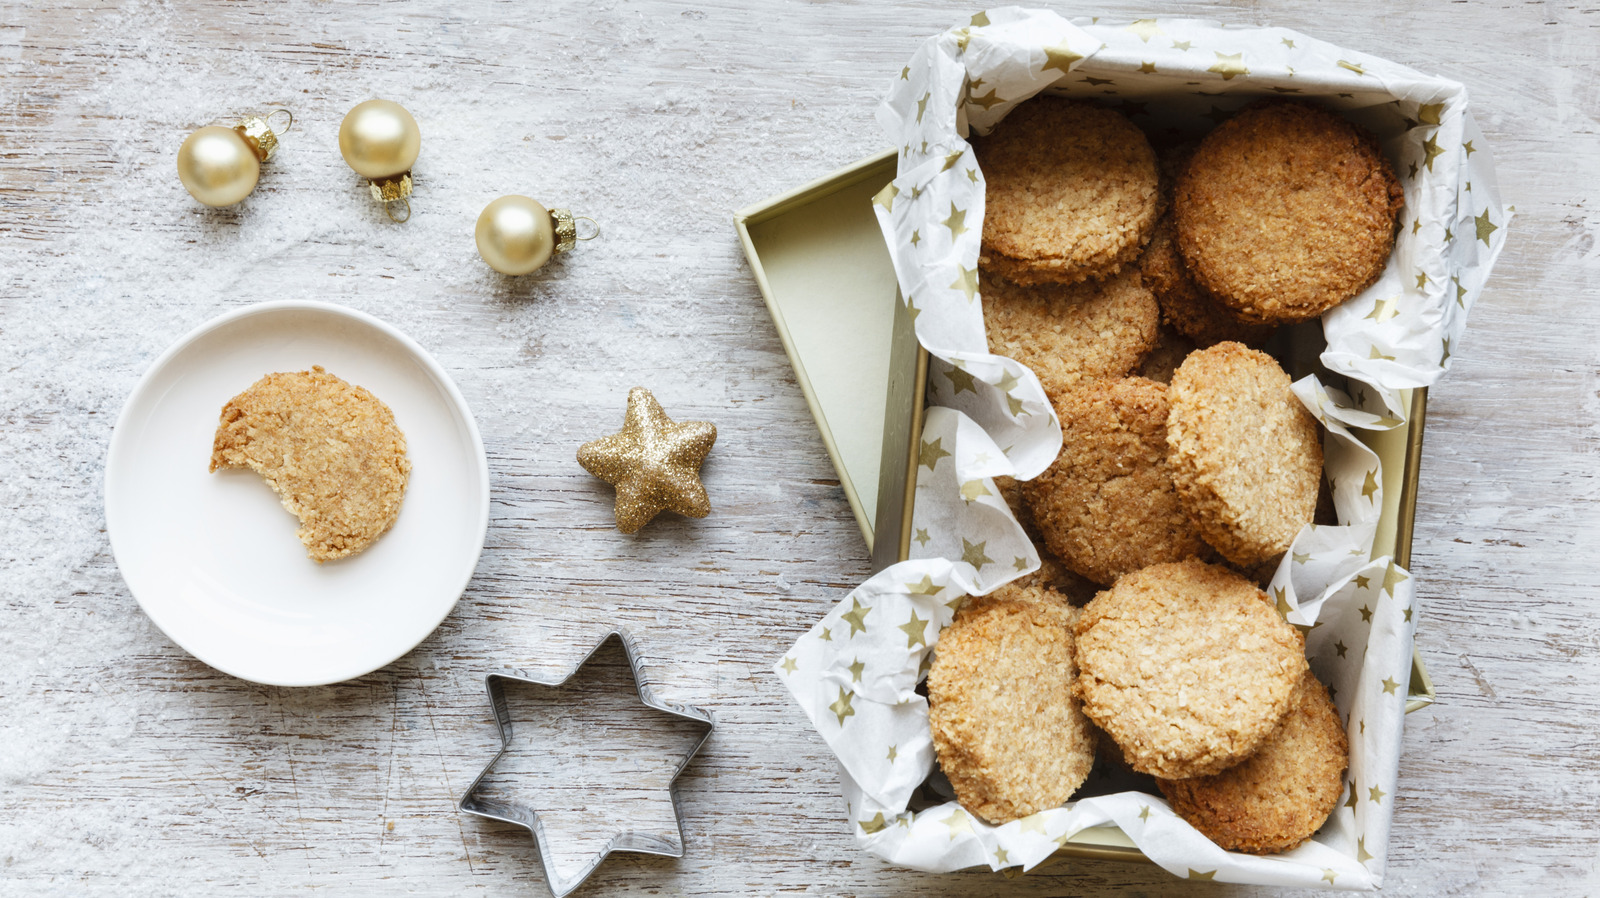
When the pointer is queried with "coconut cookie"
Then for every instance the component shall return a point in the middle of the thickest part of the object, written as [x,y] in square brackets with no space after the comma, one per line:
[329,449]
[1285,211]
[1245,454]
[1107,505]
[1278,797]
[1169,352]
[1066,334]
[1008,732]
[1187,667]
[1184,306]
[1071,192]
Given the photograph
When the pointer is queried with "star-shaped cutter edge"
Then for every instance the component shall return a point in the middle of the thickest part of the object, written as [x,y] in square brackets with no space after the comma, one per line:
[528,818]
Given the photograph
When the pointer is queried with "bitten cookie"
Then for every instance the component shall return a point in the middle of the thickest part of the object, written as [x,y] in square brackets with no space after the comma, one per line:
[329,449]
[1008,731]
[1107,505]
[1245,454]
[1285,211]
[1071,192]
[1278,797]
[1067,334]
[1187,666]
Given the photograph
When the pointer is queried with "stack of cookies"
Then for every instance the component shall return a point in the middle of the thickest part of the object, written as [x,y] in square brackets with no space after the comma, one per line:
[1141,288]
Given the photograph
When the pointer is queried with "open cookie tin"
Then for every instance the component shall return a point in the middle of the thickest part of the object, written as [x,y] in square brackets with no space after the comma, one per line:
[823,269]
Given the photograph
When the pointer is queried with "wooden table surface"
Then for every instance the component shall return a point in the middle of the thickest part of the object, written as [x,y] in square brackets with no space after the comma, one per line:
[129,768]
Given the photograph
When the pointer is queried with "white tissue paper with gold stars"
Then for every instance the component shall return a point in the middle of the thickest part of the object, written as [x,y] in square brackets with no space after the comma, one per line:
[856,672]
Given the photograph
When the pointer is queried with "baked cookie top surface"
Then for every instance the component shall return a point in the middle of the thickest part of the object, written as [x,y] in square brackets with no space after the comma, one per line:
[1184,306]
[1286,210]
[330,450]
[1245,454]
[1278,797]
[1071,192]
[1187,666]
[1008,732]
[1069,333]
[1107,505]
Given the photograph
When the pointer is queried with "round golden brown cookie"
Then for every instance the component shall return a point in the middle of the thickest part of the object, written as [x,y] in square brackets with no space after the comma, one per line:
[1286,210]
[1066,334]
[1187,666]
[1278,797]
[329,449]
[1184,306]
[1107,505]
[1071,192]
[1245,454]
[1008,732]
[1169,352]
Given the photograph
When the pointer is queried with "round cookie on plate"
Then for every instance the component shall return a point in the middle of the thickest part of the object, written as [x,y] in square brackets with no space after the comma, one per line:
[1278,797]
[1107,505]
[1187,667]
[1065,334]
[1244,454]
[1007,729]
[1286,210]
[1071,192]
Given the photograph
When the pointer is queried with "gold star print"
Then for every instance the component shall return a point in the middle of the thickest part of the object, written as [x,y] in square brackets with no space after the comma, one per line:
[856,617]
[925,588]
[1449,236]
[1468,147]
[961,380]
[973,554]
[1413,172]
[1408,615]
[894,752]
[922,105]
[1422,280]
[1145,29]
[963,37]
[1281,595]
[911,309]
[1341,648]
[967,282]
[956,222]
[885,198]
[924,148]
[916,630]
[653,462]
[1376,795]
[922,536]
[922,668]
[905,74]
[1300,558]
[1461,292]
[959,823]
[972,175]
[1485,227]
[1008,382]
[788,664]
[1014,405]
[1366,614]
[999,855]
[1383,310]
[1286,42]
[987,101]
[1391,578]
[980,19]
[1375,354]
[1362,855]
[1182,45]
[1019,563]
[974,489]
[1229,65]
[1361,582]
[841,706]
[1060,57]
[950,160]
[1415,227]
[1092,81]
[1363,727]
[1428,113]
[1329,876]
[1148,68]
[975,83]
[1370,487]
[1033,823]
[1352,800]
[1352,67]
[855,670]
[932,452]
[1389,686]
[827,636]
[1144,812]
[1208,876]
[876,825]
[1432,148]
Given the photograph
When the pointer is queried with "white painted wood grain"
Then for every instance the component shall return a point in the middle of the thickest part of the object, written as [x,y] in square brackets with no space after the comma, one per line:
[128,768]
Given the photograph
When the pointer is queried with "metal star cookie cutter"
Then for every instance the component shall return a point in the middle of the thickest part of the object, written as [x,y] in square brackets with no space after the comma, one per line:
[527,816]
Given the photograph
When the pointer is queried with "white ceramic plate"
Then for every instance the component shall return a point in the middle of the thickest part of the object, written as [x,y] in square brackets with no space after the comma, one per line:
[213,558]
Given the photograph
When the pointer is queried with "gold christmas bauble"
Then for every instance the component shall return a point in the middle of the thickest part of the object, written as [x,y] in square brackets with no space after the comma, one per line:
[515,235]
[217,166]
[379,139]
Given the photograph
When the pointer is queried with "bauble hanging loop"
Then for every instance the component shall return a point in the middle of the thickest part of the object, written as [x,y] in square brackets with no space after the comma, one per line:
[220,165]
[380,140]
[517,235]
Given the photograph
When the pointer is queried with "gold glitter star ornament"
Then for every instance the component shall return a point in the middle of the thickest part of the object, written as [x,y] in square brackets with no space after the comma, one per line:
[653,462]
